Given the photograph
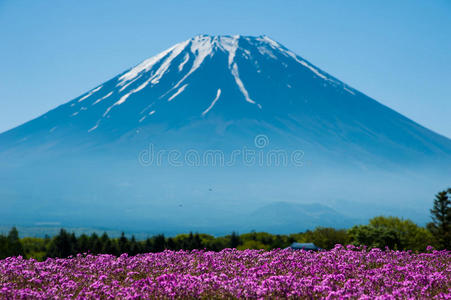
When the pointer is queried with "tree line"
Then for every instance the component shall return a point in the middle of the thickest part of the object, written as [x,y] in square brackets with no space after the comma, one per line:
[380,232]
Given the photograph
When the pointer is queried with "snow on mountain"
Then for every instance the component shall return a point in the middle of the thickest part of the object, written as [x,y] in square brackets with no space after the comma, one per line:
[197,50]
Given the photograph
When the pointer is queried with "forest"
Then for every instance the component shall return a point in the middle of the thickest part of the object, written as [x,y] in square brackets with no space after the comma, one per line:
[380,232]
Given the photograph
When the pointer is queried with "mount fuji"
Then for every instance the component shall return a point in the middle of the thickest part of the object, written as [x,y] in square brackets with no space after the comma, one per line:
[82,163]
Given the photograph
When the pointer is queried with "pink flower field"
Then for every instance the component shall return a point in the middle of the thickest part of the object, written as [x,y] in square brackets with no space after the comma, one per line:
[342,273]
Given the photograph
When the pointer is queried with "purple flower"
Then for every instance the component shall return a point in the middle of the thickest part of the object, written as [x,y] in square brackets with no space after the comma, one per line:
[343,273]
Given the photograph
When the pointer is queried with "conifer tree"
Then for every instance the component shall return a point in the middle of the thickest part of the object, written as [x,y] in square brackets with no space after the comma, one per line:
[123,244]
[440,226]
[234,240]
[107,245]
[159,243]
[13,243]
[61,245]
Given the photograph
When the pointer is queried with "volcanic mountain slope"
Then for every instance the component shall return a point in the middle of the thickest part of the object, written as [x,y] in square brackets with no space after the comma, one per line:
[77,164]
[207,87]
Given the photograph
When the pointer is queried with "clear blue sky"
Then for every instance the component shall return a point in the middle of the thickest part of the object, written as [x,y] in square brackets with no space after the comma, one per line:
[398,52]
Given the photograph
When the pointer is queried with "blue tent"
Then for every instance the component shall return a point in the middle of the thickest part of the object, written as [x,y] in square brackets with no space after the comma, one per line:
[304,246]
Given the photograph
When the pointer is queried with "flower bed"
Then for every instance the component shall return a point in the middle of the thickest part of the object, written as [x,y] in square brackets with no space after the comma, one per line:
[340,273]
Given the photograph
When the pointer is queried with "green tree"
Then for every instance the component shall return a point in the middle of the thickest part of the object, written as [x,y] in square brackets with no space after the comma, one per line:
[393,232]
[253,244]
[34,247]
[235,240]
[14,245]
[172,244]
[96,244]
[441,219]
[123,244]
[134,246]
[410,235]
[11,245]
[107,244]
[61,245]
[278,242]
[217,244]
[159,243]
[148,245]
[374,237]
[83,244]
[190,242]
[326,237]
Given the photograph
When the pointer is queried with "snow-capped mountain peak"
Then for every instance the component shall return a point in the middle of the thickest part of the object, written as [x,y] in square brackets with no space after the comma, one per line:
[223,80]
[182,61]
[202,46]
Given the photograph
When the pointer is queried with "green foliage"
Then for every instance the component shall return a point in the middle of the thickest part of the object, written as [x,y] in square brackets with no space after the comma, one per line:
[326,238]
[409,235]
[252,244]
[123,244]
[14,244]
[35,247]
[374,237]
[11,245]
[217,244]
[392,232]
[440,227]
[62,245]
[158,243]
[234,240]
